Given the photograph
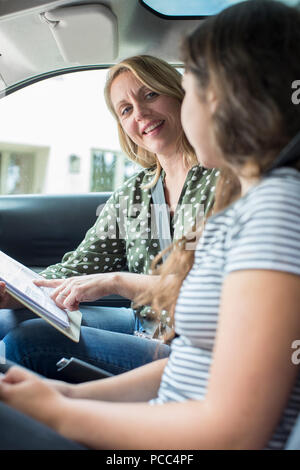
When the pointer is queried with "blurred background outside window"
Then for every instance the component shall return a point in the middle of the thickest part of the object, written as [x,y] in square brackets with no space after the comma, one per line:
[57,137]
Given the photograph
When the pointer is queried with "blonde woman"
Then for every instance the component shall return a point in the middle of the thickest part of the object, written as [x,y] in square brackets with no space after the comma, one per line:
[144,94]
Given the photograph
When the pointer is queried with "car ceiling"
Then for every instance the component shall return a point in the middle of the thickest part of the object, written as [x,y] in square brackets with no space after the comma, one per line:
[28,46]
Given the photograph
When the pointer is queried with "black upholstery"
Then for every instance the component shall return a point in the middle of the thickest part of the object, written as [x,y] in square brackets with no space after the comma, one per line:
[37,230]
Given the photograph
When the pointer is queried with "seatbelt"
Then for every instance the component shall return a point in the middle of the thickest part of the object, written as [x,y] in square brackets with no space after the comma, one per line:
[162,216]
[288,154]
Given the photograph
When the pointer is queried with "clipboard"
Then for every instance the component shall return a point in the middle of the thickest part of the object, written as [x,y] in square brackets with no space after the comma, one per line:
[19,284]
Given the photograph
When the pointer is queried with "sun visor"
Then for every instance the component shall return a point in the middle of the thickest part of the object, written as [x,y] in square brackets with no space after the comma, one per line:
[85,34]
[2,84]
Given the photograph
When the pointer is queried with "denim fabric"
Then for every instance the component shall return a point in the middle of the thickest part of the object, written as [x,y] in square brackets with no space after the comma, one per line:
[107,341]
[9,319]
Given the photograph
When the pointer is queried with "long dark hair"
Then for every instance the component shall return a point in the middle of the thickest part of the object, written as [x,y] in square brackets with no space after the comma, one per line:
[249,54]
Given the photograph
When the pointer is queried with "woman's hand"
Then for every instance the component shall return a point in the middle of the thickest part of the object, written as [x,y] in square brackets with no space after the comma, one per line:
[32,396]
[70,292]
[6,300]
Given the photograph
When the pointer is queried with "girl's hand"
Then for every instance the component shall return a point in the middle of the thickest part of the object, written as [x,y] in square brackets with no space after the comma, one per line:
[32,396]
[70,292]
[64,388]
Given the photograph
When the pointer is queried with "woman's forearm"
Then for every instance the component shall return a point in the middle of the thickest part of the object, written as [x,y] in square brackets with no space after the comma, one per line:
[130,285]
[140,384]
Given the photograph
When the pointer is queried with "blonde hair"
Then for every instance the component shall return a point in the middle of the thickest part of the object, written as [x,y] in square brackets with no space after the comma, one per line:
[162,78]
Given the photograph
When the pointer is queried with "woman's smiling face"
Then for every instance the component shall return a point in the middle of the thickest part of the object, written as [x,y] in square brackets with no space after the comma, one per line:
[150,119]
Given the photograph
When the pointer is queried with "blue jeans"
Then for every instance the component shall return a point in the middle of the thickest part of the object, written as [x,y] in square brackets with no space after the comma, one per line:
[107,341]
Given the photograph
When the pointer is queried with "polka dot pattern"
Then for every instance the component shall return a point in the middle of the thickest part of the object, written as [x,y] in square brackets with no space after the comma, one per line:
[122,235]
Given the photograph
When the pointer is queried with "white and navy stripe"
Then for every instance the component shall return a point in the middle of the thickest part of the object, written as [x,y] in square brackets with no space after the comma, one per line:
[259,231]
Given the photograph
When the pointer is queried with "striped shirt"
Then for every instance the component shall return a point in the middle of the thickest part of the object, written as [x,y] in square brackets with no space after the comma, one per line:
[259,231]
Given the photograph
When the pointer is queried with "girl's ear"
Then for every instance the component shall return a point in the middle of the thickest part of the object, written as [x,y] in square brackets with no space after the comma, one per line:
[212,100]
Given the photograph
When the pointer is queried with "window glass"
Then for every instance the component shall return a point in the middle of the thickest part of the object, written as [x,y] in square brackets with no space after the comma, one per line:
[57,136]
[195,7]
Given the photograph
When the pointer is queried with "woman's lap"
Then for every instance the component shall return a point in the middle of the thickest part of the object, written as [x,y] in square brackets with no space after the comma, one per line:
[105,318]
[38,346]
[10,319]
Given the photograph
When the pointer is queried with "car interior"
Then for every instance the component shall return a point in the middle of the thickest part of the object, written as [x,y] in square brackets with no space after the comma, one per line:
[65,37]
[55,172]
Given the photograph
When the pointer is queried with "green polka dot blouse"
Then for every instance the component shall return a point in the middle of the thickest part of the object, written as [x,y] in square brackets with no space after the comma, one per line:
[121,239]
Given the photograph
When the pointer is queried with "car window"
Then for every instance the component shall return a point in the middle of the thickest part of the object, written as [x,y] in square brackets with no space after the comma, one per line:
[195,7]
[57,137]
